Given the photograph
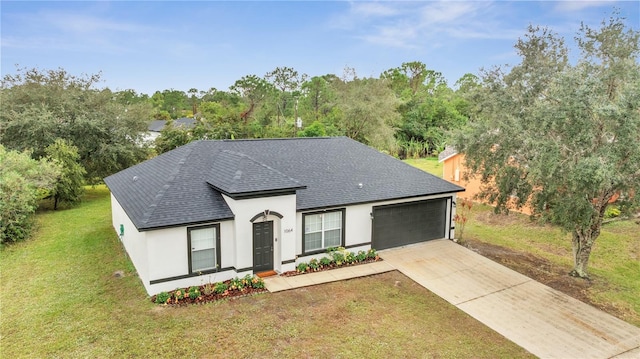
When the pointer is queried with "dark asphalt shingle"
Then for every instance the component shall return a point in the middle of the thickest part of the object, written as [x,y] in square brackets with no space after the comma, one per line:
[236,173]
[172,189]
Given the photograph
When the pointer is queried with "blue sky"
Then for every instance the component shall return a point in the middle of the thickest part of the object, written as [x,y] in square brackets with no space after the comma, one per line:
[158,45]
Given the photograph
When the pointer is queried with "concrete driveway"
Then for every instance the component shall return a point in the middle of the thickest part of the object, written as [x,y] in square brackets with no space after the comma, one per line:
[542,320]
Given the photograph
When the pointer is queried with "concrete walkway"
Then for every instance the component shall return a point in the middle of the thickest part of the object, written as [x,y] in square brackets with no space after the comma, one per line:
[544,321]
[278,283]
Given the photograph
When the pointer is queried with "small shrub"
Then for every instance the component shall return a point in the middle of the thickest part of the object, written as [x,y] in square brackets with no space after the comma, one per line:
[236,284]
[178,294]
[332,249]
[350,257]
[194,292]
[162,297]
[246,281]
[208,289]
[302,267]
[325,261]
[612,212]
[372,254]
[221,287]
[314,264]
[257,283]
[338,257]
[361,256]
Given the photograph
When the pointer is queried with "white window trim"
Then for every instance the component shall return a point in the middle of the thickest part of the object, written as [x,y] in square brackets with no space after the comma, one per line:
[216,249]
[322,230]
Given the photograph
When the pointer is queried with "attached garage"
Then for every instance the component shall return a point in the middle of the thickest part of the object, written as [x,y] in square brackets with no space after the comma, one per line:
[407,223]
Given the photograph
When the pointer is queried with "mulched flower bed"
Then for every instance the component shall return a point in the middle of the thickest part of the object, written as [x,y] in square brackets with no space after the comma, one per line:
[207,293]
[330,267]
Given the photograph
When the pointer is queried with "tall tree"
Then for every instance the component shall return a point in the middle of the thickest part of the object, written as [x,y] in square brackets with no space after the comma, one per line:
[564,139]
[368,111]
[37,107]
[288,83]
[69,184]
[318,98]
[253,90]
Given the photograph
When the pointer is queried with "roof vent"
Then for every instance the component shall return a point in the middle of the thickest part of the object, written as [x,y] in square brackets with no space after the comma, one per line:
[135,178]
[360,185]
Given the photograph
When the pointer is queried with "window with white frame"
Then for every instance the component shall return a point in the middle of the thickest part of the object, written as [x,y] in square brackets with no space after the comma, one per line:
[203,245]
[322,230]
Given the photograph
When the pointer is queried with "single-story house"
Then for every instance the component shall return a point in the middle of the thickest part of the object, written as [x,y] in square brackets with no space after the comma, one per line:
[156,126]
[213,210]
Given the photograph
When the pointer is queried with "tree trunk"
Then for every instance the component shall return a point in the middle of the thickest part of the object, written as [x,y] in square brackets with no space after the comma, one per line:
[582,244]
[583,240]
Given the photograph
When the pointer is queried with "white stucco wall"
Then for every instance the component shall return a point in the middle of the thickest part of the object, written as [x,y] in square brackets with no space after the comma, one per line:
[163,253]
[283,229]
[358,225]
[134,242]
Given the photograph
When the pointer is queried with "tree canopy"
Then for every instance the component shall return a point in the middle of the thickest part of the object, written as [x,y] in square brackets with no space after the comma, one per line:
[561,138]
[37,107]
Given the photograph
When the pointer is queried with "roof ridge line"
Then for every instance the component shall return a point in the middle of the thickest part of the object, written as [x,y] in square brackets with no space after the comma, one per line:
[160,194]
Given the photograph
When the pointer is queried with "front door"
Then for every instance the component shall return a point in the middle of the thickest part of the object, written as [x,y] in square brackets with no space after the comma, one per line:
[262,246]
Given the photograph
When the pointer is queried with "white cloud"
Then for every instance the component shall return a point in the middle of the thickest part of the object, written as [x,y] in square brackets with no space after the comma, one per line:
[564,6]
[74,31]
[404,24]
[81,24]
[373,9]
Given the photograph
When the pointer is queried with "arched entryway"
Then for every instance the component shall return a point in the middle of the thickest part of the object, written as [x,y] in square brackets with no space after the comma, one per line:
[266,226]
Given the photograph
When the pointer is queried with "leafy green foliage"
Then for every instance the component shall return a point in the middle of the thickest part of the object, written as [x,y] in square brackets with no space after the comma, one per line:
[38,107]
[302,267]
[162,297]
[194,292]
[69,185]
[316,129]
[563,138]
[23,181]
[221,287]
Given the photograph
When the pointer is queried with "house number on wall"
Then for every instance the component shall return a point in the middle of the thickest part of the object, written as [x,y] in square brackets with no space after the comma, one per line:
[288,230]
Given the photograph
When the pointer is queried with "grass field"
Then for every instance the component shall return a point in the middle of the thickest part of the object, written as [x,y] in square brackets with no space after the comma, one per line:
[429,164]
[59,298]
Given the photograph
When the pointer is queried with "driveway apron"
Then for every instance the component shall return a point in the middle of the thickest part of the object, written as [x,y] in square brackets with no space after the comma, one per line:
[542,320]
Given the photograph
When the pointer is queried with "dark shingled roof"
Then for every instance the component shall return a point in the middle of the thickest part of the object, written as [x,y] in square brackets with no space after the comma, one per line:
[184,122]
[183,186]
[235,174]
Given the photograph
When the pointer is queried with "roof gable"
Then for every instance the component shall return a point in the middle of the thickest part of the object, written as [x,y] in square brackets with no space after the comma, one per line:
[238,175]
[449,151]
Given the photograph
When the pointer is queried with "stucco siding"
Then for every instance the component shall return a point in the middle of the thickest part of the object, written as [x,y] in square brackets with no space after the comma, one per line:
[134,242]
[284,240]
[191,281]
[168,253]
[357,226]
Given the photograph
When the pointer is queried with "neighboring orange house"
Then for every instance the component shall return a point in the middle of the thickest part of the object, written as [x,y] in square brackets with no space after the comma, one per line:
[453,170]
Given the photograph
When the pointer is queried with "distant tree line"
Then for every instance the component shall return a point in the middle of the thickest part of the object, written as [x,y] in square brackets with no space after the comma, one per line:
[405,112]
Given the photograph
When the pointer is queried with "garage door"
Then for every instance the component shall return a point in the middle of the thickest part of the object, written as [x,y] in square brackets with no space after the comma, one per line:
[407,223]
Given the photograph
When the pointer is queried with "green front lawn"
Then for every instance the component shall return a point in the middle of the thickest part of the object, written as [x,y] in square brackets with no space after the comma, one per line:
[59,298]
